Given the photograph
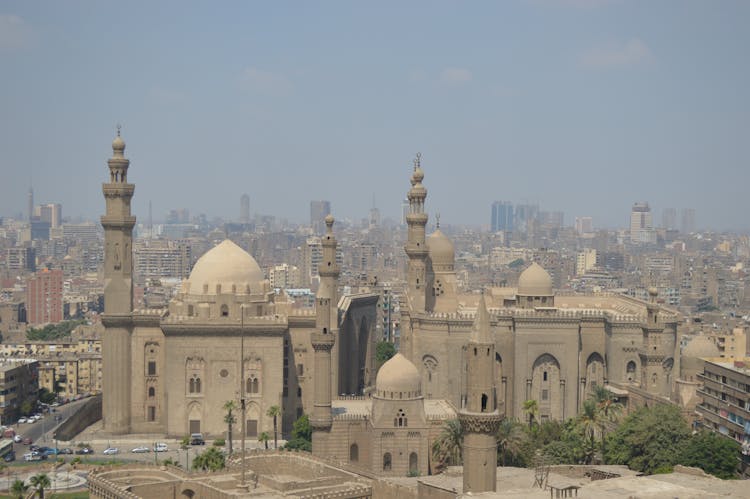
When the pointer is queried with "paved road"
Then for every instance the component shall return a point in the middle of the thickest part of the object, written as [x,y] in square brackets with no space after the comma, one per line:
[42,431]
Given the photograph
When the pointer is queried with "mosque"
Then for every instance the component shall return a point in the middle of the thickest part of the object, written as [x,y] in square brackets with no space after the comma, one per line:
[226,336]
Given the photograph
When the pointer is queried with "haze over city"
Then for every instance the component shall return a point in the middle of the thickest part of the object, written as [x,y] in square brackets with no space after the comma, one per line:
[583,106]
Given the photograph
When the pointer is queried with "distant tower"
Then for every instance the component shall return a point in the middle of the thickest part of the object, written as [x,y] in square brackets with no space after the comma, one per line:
[319,210]
[324,339]
[642,224]
[479,415]
[244,209]
[416,249]
[30,201]
[118,292]
[656,351]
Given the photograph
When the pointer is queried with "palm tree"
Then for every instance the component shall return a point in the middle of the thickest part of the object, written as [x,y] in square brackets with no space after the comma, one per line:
[40,482]
[264,438]
[19,489]
[531,407]
[609,409]
[274,412]
[447,447]
[589,421]
[510,439]
[209,460]
[230,419]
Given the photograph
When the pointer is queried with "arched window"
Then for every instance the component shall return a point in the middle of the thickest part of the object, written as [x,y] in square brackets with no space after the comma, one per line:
[197,385]
[256,386]
[387,461]
[413,463]
[151,391]
[484,402]
[249,385]
[191,385]
[224,311]
[354,453]
[400,420]
[630,369]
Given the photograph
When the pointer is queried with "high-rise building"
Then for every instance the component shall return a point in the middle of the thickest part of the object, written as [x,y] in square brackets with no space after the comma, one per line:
[319,210]
[20,258]
[669,218]
[502,216]
[585,261]
[44,297]
[525,215]
[584,225]
[245,209]
[687,220]
[50,213]
[642,224]
[162,258]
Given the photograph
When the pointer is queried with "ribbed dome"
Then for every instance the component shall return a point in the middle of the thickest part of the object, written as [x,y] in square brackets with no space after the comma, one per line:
[398,378]
[700,346]
[441,250]
[226,265]
[534,281]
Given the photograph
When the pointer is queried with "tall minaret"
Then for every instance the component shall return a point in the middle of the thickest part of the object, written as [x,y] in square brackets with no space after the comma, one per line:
[118,292]
[324,339]
[479,415]
[416,248]
[655,349]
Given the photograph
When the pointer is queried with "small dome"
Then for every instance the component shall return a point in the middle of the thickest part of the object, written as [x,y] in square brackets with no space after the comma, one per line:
[225,265]
[418,174]
[699,347]
[441,249]
[118,145]
[534,281]
[398,378]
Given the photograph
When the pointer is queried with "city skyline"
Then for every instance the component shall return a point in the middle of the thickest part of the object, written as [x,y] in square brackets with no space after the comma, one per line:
[580,106]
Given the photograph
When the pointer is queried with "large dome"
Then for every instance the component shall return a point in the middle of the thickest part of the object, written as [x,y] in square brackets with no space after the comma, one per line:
[700,346]
[534,281]
[226,268]
[398,379]
[442,252]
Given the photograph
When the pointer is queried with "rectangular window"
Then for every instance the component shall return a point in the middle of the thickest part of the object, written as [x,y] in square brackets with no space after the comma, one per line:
[151,413]
[151,368]
[252,428]
[195,426]
[300,370]
[545,394]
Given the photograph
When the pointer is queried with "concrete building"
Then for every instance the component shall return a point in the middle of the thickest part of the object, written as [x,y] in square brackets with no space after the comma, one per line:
[44,297]
[19,380]
[502,216]
[319,210]
[585,261]
[584,225]
[50,213]
[20,258]
[245,209]
[642,224]
[158,258]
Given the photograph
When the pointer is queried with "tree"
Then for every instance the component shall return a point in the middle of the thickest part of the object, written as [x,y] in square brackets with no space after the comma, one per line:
[712,453]
[264,438]
[301,435]
[447,448]
[209,460]
[19,489]
[609,410]
[510,440]
[589,422]
[274,412]
[230,419]
[384,351]
[40,482]
[531,408]
[649,440]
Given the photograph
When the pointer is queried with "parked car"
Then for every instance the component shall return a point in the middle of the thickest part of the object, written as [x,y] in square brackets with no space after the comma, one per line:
[9,457]
[141,450]
[21,420]
[66,450]
[50,451]
[161,447]
[33,456]
[26,441]
[85,450]
[18,439]
[197,439]
[110,451]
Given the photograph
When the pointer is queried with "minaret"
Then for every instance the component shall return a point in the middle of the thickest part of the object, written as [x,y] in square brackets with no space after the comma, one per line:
[654,350]
[118,292]
[479,415]
[416,248]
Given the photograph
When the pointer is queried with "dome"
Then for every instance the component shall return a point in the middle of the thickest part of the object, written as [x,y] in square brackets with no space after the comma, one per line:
[225,265]
[118,145]
[700,346]
[534,281]
[398,378]
[441,249]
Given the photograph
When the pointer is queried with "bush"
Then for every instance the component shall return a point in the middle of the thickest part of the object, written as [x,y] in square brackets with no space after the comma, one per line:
[219,442]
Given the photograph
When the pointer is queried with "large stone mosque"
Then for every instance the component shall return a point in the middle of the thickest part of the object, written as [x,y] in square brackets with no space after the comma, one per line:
[473,356]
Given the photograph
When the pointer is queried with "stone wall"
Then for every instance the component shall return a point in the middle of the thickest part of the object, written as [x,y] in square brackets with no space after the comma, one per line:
[88,414]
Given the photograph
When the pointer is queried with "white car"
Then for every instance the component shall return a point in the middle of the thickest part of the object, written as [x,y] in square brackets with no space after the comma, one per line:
[161,447]
[22,420]
[141,450]
[18,439]
[111,450]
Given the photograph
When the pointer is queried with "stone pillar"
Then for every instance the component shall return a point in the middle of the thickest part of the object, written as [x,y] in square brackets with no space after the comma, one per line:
[479,451]
[321,418]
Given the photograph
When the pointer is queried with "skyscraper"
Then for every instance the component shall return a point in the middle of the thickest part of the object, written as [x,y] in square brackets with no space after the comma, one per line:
[44,297]
[244,209]
[50,213]
[319,210]
[502,216]
[669,218]
[584,225]
[687,220]
[642,224]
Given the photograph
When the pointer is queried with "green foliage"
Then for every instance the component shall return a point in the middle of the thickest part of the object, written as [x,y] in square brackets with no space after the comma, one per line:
[185,442]
[209,460]
[219,442]
[446,449]
[40,482]
[53,331]
[531,408]
[46,396]
[648,440]
[274,412]
[27,407]
[18,489]
[712,453]
[384,350]
[170,462]
[301,435]
[229,419]
[517,263]
[263,438]
[512,440]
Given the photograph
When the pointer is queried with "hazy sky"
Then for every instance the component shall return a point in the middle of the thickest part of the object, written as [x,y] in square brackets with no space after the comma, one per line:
[583,106]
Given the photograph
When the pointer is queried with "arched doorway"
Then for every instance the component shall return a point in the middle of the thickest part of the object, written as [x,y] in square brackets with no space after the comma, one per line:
[413,464]
[545,388]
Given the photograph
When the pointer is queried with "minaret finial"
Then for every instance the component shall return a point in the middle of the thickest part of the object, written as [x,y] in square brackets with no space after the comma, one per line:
[418,160]
[437,220]
[119,127]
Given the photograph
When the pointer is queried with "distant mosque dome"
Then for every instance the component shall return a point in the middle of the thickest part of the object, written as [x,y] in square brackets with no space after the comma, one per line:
[699,347]
[226,268]
[442,252]
[398,379]
[534,281]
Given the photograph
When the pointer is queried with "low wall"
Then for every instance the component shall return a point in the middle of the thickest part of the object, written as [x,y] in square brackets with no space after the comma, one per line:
[89,413]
